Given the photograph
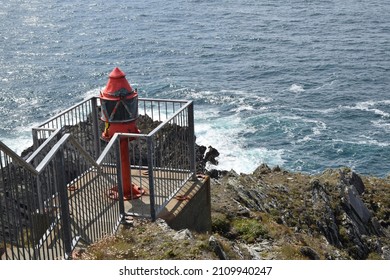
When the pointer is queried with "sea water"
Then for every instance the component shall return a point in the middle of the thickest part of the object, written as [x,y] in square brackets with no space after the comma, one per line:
[300,84]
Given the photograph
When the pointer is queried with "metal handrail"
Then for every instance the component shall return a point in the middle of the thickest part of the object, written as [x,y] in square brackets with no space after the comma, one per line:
[168,120]
[66,111]
[17,158]
[43,145]
[64,139]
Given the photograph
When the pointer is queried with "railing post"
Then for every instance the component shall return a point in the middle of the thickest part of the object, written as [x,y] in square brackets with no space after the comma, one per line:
[119,177]
[64,203]
[35,138]
[191,138]
[95,127]
[150,151]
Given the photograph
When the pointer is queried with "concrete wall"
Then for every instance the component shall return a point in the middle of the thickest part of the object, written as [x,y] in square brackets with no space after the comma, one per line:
[193,213]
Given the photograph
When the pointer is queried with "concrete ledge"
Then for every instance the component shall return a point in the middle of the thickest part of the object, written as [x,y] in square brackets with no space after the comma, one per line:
[191,208]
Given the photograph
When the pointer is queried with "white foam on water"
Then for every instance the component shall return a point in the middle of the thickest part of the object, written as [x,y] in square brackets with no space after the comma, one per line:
[226,135]
[383,124]
[367,142]
[369,106]
[19,143]
[247,160]
[296,88]
[93,92]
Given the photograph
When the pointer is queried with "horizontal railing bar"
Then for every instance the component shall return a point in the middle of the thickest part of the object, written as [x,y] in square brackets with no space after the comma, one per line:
[112,141]
[163,100]
[44,129]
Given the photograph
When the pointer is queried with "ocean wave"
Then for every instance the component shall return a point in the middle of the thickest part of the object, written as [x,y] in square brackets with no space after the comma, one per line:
[246,161]
[363,142]
[369,106]
[227,134]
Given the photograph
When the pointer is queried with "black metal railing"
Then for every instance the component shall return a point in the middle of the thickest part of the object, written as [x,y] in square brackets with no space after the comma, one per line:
[61,194]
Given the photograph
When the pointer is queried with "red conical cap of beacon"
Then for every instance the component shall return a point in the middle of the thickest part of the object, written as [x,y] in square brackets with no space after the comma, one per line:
[116,82]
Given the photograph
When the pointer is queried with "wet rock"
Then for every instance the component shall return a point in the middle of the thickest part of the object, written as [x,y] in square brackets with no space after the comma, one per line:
[211,156]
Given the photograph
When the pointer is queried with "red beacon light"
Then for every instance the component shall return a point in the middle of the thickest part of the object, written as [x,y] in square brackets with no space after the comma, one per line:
[119,111]
[119,105]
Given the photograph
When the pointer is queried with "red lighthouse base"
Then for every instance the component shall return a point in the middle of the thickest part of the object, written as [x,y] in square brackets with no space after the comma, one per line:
[136,192]
[130,190]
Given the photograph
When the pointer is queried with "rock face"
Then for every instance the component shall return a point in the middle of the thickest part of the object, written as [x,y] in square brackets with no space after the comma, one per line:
[276,214]
[217,248]
[203,157]
[348,222]
[322,208]
[327,207]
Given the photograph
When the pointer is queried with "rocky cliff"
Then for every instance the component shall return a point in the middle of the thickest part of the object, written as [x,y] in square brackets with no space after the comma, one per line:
[271,214]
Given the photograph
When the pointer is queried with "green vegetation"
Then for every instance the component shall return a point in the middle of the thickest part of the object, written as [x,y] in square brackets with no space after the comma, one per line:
[249,230]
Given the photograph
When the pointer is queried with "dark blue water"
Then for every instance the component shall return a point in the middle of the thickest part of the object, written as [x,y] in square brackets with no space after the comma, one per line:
[300,84]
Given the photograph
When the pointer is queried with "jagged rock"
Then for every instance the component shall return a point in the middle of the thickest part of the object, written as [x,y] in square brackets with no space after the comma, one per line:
[353,201]
[258,249]
[211,156]
[163,225]
[254,252]
[244,212]
[358,223]
[353,179]
[203,157]
[217,248]
[309,252]
[321,205]
[182,235]
[251,198]
[386,252]
[262,169]
[199,155]
[213,173]
[276,169]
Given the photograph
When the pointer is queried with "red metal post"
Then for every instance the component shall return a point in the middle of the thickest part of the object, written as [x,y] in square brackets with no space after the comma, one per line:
[130,190]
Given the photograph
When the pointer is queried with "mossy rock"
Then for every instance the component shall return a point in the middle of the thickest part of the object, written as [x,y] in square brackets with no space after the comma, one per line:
[220,223]
[249,229]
